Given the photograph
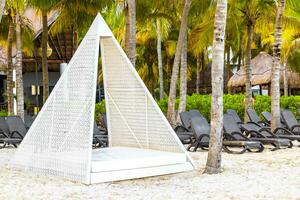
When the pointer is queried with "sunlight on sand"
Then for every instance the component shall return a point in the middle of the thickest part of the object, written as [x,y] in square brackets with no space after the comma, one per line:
[267,175]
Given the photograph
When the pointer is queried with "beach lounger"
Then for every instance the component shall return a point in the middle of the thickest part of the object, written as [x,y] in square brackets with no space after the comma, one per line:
[265,136]
[103,123]
[276,142]
[201,129]
[4,130]
[232,132]
[28,120]
[184,131]
[17,131]
[290,121]
[100,139]
[267,117]
[235,116]
[254,118]
[280,131]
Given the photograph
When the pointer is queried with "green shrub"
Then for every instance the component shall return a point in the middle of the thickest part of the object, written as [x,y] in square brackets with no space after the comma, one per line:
[230,101]
[3,113]
[290,102]
[163,104]
[99,108]
[262,103]
[234,101]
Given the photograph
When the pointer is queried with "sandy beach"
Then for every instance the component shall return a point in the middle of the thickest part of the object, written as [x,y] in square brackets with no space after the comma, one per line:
[267,175]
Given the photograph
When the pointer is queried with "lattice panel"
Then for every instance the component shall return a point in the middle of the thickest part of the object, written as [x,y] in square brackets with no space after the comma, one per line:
[134,119]
[60,139]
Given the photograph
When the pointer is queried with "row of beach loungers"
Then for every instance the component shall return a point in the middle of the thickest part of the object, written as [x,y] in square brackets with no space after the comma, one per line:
[13,129]
[239,137]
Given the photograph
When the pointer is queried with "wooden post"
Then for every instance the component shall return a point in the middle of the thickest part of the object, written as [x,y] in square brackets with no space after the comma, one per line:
[260,89]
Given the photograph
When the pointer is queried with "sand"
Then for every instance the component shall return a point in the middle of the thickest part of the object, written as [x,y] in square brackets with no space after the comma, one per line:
[267,175]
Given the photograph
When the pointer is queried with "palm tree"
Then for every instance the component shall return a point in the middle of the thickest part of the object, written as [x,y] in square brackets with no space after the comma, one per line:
[275,103]
[18,7]
[159,59]
[290,35]
[252,11]
[161,27]
[45,7]
[291,28]
[162,31]
[201,34]
[9,70]
[2,5]
[213,164]
[19,74]
[183,80]
[198,74]
[172,94]
[130,39]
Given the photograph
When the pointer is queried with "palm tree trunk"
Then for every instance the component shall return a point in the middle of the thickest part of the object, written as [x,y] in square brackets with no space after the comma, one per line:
[2,5]
[159,58]
[172,94]
[198,74]
[75,41]
[213,164]
[239,60]
[248,68]
[285,80]
[44,57]
[183,81]
[19,75]
[226,73]
[275,87]
[130,34]
[9,72]
[127,30]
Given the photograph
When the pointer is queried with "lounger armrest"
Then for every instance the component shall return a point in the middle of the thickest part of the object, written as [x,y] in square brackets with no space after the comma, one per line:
[285,131]
[203,136]
[296,126]
[228,136]
[240,134]
[253,123]
[180,127]
[16,133]
[101,128]
[259,124]
[264,129]
[263,123]
[267,130]
[3,133]
[254,133]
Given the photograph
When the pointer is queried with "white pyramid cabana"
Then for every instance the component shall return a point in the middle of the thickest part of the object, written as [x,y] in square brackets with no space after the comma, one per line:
[141,141]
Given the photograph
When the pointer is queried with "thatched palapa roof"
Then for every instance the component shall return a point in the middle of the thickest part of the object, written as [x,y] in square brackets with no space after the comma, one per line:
[262,73]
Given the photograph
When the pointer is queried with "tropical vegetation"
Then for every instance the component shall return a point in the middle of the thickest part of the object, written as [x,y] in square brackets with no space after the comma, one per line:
[170,43]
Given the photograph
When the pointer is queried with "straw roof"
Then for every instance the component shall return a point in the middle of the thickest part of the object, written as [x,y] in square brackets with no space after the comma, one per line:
[36,19]
[262,73]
